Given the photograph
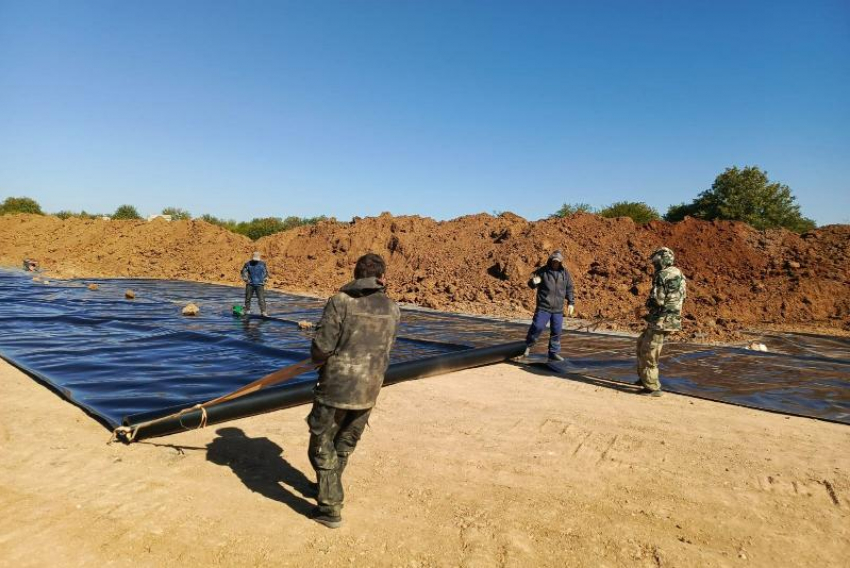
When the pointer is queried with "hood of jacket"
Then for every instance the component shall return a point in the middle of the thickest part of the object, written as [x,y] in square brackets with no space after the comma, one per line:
[362,287]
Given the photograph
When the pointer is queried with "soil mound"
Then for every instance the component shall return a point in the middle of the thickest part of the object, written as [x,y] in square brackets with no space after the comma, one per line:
[78,248]
[738,277]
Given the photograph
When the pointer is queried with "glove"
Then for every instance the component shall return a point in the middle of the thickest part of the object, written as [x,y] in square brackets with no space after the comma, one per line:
[571,309]
[537,280]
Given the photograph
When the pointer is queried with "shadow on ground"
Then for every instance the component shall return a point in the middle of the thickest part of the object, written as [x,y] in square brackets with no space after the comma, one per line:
[541,368]
[259,464]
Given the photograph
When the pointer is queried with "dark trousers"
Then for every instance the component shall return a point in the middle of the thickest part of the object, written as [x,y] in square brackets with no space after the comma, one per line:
[538,324]
[250,290]
[334,433]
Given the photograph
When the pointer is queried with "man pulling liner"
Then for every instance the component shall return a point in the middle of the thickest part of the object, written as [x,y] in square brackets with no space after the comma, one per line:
[352,342]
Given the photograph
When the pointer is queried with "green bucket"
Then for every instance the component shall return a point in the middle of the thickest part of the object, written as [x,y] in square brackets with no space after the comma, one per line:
[238,311]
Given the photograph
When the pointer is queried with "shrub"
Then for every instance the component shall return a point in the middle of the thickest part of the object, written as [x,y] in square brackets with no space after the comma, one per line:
[12,205]
[126,212]
[568,209]
[640,212]
[177,214]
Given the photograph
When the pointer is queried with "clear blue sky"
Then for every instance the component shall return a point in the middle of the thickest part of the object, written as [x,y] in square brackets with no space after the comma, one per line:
[245,109]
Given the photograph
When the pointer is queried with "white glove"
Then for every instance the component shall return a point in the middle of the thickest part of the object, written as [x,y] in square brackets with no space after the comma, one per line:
[571,310]
[537,280]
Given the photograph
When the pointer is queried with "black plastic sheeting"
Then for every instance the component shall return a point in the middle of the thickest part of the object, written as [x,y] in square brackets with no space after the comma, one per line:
[118,358]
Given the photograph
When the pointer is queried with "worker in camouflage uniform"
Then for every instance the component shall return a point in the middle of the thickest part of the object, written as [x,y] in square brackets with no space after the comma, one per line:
[352,343]
[664,318]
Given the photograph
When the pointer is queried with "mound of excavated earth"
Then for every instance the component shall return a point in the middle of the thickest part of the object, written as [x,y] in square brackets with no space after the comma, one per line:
[738,277]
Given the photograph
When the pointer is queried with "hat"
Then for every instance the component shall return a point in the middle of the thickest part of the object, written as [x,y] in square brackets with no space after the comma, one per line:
[663,257]
[557,255]
[256,255]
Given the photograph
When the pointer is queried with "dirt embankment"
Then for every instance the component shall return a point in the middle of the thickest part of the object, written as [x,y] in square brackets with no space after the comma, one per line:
[738,277]
[80,248]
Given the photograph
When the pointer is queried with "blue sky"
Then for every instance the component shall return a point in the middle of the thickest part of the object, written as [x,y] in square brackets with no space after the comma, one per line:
[245,109]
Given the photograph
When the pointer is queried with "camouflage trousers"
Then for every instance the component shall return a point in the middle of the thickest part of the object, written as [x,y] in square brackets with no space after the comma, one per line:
[649,346]
[334,433]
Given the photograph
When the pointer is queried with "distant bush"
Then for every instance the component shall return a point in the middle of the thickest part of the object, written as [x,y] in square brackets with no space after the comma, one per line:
[177,214]
[568,209]
[12,205]
[65,214]
[746,195]
[260,227]
[640,212]
[126,212]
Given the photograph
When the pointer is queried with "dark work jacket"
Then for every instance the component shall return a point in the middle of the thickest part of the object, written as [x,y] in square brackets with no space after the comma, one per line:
[255,273]
[353,340]
[555,285]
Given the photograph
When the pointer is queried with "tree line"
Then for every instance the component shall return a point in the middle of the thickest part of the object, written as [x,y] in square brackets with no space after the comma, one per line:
[738,194]
[254,229]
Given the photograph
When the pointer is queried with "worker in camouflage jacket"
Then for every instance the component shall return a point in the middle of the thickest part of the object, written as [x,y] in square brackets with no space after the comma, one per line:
[352,344]
[664,318]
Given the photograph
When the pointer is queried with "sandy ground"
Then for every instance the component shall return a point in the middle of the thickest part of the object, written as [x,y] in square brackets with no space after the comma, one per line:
[488,467]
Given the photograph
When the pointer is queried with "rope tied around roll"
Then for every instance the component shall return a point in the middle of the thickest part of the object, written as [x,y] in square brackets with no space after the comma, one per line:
[127,434]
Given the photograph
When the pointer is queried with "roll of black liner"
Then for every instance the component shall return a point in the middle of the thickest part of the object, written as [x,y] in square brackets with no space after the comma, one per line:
[302,393]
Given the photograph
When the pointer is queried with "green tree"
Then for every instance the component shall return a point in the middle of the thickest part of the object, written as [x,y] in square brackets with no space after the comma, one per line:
[177,214]
[260,227]
[568,209]
[65,214]
[746,195]
[126,212]
[12,205]
[640,212]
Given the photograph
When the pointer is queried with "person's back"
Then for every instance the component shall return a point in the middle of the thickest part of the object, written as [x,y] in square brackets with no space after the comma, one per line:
[255,272]
[357,329]
[352,343]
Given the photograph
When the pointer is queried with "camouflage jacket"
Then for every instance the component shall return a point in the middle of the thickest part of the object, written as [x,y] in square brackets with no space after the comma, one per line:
[665,300]
[353,341]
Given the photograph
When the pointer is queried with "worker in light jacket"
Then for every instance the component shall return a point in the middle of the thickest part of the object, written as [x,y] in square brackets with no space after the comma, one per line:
[554,289]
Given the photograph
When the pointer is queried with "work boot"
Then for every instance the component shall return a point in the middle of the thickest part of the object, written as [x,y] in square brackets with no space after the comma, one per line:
[654,394]
[638,383]
[264,314]
[325,519]
[555,357]
[527,352]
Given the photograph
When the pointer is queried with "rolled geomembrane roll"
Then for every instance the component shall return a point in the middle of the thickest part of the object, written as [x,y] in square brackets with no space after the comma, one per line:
[147,426]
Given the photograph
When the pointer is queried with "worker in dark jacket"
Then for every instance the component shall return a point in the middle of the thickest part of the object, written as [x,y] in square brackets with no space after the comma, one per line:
[352,343]
[554,286]
[255,274]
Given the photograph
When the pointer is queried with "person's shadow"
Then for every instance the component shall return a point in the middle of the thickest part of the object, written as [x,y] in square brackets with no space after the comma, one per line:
[259,464]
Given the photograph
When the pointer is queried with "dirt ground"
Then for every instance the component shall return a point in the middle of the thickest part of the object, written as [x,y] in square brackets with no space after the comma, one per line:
[489,467]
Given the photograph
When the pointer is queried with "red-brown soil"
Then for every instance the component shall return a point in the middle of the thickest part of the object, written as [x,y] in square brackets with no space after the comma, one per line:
[738,277]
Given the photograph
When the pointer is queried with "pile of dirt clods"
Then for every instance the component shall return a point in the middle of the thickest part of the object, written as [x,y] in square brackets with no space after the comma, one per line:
[738,277]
